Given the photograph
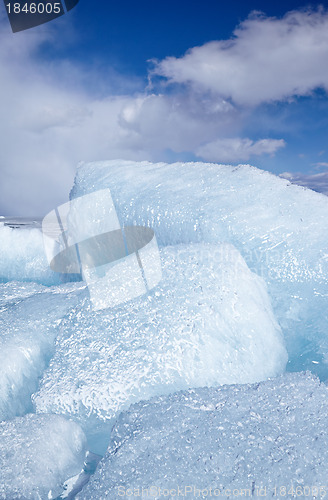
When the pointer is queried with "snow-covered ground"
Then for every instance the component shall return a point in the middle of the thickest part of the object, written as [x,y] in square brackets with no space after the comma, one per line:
[243,297]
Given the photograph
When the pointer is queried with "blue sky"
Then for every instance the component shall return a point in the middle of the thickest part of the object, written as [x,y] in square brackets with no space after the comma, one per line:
[209,81]
[126,34]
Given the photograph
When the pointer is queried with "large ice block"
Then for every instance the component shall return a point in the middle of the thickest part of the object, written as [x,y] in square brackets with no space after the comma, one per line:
[209,321]
[279,228]
[266,440]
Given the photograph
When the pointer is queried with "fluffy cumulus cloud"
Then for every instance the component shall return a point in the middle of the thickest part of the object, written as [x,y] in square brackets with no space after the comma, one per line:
[267,59]
[50,121]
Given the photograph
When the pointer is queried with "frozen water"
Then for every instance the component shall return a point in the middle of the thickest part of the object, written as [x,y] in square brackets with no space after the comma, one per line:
[29,320]
[84,236]
[279,228]
[38,452]
[247,438]
[208,322]
[22,257]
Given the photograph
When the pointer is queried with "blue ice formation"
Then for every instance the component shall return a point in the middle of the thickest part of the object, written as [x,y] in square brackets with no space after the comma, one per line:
[208,322]
[38,452]
[30,315]
[22,257]
[236,441]
[245,269]
[279,228]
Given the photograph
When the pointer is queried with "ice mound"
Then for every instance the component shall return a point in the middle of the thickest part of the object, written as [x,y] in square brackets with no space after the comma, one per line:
[22,257]
[279,228]
[247,438]
[38,453]
[208,322]
[29,321]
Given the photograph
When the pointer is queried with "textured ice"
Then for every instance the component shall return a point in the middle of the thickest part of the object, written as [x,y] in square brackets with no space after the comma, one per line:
[29,318]
[279,228]
[84,236]
[38,453]
[208,322]
[247,438]
[22,257]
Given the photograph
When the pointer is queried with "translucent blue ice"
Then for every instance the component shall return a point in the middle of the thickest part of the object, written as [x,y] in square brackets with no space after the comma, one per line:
[22,257]
[209,321]
[38,452]
[30,315]
[280,230]
[235,441]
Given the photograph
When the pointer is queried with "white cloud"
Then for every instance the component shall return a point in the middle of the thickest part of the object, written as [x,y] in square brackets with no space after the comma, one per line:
[267,59]
[50,122]
[321,164]
[317,182]
[236,149]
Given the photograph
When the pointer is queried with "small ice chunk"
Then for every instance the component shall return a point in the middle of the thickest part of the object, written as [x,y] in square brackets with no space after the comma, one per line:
[29,321]
[22,257]
[38,453]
